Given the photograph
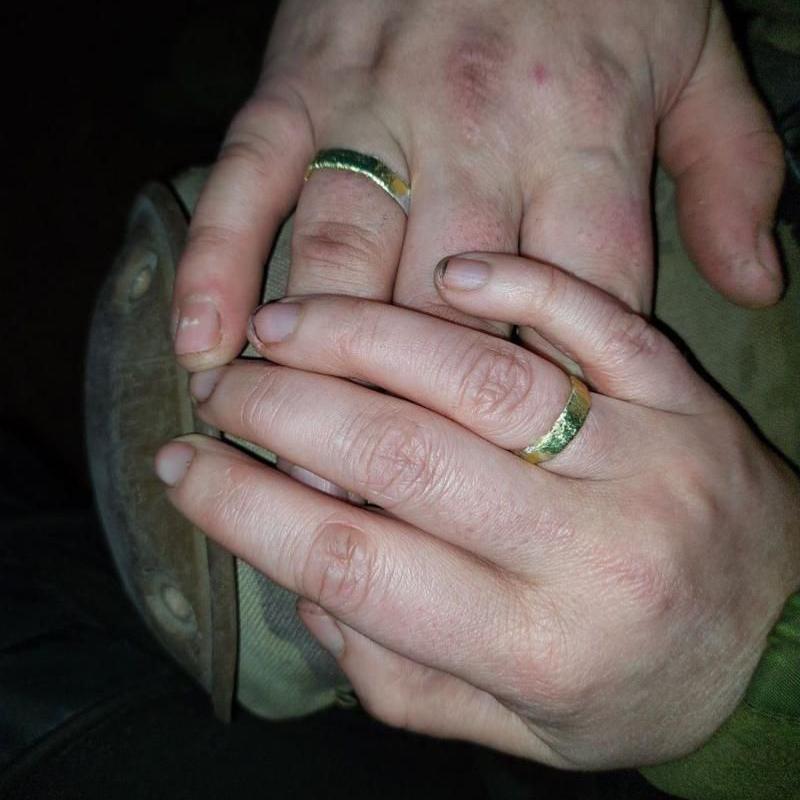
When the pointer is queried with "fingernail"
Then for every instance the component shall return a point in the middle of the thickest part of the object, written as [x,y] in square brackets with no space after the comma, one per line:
[322,627]
[172,462]
[202,384]
[275,321]
[198,327]
[462,273]
[768,253]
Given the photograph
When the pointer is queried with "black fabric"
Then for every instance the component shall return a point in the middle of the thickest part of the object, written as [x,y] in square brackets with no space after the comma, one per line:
[91,708]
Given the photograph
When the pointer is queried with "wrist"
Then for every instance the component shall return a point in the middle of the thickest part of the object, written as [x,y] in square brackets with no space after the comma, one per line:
[756,752]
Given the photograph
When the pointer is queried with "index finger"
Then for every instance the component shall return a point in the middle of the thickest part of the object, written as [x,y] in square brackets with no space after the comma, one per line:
[251,189]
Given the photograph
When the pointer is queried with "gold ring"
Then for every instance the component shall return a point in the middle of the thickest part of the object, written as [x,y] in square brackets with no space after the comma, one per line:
[564,429]
[368,166]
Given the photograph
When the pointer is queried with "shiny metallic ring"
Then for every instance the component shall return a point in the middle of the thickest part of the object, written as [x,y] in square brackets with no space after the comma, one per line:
[564,429]
[368,166]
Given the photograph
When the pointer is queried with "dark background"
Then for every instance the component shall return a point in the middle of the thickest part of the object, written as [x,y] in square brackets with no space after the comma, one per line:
[99,99]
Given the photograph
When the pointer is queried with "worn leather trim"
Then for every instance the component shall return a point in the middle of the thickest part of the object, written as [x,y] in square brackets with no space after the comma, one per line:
[137,397]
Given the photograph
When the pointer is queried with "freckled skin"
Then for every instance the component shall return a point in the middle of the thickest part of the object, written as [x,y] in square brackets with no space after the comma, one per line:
[519,95]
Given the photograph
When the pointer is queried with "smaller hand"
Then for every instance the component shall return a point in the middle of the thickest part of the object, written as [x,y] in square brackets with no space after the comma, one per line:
[605,609]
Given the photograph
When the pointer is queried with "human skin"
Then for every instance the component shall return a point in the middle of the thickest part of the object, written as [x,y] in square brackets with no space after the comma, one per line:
[606,608]
[524,126]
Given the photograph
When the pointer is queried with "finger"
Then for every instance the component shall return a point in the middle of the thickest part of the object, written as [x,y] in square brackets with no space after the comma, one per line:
[494,388]
[621,354]
[590,213]
[588,209]
[347,236]
[250,191]
[718,143]
[420,467]
[454,208]
[387,580]
[405,694]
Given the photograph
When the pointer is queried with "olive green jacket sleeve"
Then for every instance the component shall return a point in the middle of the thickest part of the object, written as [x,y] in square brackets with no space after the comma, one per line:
[756,753]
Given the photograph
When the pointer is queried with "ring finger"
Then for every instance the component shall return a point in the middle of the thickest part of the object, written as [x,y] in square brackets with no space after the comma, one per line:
[348,230]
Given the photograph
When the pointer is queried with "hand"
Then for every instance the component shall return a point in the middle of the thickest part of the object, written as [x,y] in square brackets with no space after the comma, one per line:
[605,609]
[524,126]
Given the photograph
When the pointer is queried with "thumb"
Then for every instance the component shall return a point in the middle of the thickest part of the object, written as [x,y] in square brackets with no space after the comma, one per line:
[718,143]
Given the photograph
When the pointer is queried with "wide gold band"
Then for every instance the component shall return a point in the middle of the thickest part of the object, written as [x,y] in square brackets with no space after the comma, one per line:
[564,429]
[368,166]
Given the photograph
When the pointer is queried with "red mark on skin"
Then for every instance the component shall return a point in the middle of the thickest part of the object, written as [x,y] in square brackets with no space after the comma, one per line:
[540,74]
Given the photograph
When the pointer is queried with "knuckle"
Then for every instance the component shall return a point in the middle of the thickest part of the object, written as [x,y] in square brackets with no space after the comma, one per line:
[647,578]
[496,385]
[337,245]
[600,90]
[395,460]
[342,568]
[388,61]
[692,490]
[473,69]
[559,693]
[261,402]
[265,126]
[542,668]
[228,502]
[650,583]
[551,292]
[249,149]
[264,130]
[605,163]
[476,68]
[354,333]
[209,237]
[629,338]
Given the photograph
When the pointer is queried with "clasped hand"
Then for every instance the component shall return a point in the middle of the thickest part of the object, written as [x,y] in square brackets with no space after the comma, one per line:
[605,608]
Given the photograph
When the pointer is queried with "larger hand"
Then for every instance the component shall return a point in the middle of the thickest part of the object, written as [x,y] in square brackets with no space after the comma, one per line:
[607,609]
[523,125]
